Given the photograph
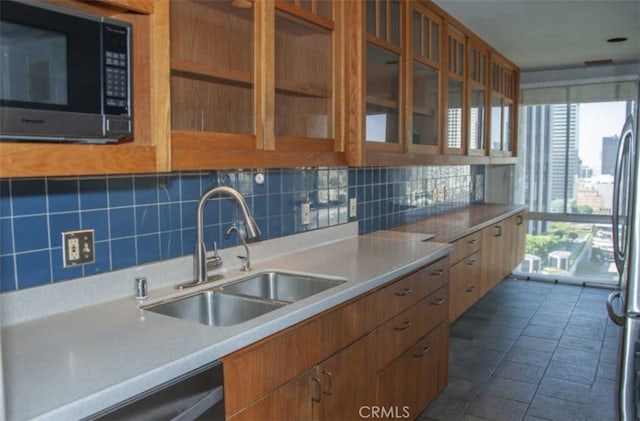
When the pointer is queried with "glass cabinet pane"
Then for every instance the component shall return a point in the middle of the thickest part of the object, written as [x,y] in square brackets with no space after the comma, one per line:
[506,127]
[383,87]
[303,67]
[425,105]
[435,41]
[416,31]
[394,22]
[325,8]
[371,17]
[211,67]
[454,114]
[477,119]
[496,123]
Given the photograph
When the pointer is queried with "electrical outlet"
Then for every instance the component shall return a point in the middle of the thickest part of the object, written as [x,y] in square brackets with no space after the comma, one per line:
[353,210]
[306,213]
[78,248]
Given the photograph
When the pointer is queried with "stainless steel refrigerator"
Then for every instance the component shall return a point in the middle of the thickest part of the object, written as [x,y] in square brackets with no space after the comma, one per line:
[624,304]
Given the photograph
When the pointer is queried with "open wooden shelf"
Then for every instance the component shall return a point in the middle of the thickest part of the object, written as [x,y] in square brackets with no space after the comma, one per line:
[423,111]
[201,71]
[382,102]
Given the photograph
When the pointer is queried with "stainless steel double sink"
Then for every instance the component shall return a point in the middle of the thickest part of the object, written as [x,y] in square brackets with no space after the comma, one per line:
[244,299]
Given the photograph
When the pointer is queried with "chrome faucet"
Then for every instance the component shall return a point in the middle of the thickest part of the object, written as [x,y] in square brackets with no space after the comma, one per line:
[246,260]
[200,253]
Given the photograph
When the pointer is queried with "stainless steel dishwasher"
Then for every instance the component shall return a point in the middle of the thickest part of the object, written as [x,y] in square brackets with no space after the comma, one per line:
[197,395]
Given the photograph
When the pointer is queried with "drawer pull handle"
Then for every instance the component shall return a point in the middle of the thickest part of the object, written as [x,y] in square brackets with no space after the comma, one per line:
[437,302]
[472,262]
[328,392]
[472,241]
[319,395]
[424,352]
[405,291]
[498,231]
[405,326]
[437,272]
[471,289]
[520,220]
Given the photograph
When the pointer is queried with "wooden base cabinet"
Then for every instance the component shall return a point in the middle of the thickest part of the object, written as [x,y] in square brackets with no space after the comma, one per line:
[465,284]
[387,348]
[413,380]
[335,389]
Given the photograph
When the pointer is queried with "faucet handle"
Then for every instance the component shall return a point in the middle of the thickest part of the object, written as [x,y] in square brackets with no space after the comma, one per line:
[214,261]
[246,264]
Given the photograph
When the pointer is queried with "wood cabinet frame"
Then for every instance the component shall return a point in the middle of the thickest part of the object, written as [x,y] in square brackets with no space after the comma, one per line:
[208,150]
[149,151]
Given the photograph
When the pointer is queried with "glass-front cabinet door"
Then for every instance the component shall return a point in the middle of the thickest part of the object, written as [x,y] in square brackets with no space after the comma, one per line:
[454,139]
[212,80]
[424,92]
[304,76]
[503,95]
[384,66]
[478,83]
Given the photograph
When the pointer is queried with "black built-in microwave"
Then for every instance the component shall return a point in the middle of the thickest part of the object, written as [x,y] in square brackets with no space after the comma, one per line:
[65,75]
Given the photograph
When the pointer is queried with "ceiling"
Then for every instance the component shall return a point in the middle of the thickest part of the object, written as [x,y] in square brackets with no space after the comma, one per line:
[553,34]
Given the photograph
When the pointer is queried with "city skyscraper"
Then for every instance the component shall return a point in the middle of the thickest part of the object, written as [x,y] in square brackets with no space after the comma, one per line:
[551,157]
[609,151]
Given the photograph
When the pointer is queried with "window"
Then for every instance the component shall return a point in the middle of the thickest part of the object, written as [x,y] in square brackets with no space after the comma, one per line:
[569,137]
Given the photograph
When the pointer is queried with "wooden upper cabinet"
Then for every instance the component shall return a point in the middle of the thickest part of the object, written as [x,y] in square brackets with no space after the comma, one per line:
[424,73]
[384,79]
[478,89]
[504,98]
[149,149]
[454,116]
[256,83]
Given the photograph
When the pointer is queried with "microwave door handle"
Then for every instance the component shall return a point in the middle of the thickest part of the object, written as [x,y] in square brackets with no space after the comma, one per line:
[618,253]
[205,403]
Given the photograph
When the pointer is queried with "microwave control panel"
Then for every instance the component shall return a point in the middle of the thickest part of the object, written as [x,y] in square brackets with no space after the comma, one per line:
[117,76]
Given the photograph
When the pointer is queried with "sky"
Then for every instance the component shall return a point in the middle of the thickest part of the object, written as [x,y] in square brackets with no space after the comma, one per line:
[598,120]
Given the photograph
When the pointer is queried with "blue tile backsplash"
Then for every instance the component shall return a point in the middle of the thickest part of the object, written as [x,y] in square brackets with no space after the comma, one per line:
[146,218]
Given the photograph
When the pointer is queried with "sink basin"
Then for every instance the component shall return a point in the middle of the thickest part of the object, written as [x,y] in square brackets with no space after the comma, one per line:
[214,308]
[281,286]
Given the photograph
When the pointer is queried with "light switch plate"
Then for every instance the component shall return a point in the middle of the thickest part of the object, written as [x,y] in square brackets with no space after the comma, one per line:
[306,213]
[353,209]
[78,248]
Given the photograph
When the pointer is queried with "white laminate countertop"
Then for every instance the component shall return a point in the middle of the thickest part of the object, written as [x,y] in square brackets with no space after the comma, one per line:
[72,364]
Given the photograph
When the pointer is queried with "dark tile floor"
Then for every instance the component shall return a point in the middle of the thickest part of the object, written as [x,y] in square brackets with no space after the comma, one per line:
[532,351]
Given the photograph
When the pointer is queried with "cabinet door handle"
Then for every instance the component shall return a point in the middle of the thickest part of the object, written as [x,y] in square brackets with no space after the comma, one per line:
[404,326]
[471,289]
[424,352]
[438,302]
[519,220]
[472,241]
[437,272]
[328,392]
[472,262]
[318,397]
[498,229]
[405,291]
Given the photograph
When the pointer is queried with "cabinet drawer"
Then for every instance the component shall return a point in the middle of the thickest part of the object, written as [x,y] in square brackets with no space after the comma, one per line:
[401,294]
[399,333]
[397,297]
[466,246]
[433,310]
[436,275]
[464,285]
[396,335]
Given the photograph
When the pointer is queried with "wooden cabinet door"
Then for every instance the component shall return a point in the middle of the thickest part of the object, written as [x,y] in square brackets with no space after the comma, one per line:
[292,401]
[348,381]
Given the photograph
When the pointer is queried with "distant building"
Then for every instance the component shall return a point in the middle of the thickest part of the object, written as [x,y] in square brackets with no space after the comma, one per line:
[586,171]
[609,152]
[550,153]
